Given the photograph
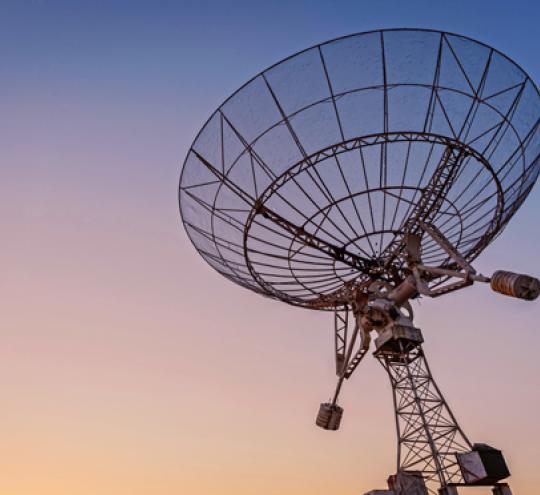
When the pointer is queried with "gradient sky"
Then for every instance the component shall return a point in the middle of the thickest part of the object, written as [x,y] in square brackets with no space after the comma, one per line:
[129,367]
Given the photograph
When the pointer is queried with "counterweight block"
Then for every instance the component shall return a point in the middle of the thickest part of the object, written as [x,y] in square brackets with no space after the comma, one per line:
[484,465]
[329,417]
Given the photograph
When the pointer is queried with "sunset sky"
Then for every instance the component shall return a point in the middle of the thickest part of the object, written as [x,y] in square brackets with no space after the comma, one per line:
[127,365]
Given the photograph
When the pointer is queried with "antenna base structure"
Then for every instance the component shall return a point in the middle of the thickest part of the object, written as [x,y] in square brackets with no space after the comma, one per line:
[429,436]
[434,454]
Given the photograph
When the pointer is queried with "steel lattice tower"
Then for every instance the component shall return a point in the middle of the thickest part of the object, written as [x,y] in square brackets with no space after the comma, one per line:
[428,433]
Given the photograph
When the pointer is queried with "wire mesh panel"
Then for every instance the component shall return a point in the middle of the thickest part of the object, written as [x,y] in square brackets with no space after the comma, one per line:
[304,178]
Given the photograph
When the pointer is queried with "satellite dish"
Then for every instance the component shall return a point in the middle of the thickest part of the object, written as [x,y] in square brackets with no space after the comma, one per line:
[357,175]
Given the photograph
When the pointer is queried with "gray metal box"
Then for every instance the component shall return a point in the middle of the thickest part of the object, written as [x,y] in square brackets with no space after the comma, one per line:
[329,416]
[389,339]
[484,465]
[408,483]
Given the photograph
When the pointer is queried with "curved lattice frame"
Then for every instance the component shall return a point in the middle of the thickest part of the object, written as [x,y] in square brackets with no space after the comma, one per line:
[304,180]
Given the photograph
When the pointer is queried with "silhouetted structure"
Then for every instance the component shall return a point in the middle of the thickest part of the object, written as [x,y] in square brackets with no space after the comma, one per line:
[360,174]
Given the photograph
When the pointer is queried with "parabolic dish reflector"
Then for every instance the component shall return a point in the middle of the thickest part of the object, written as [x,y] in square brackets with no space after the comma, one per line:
[304,178]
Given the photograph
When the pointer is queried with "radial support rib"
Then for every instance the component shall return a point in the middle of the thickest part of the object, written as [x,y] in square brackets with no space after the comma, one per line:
[338,253]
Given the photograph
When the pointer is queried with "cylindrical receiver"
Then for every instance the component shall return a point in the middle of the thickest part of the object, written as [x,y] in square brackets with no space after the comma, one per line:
[329,417]
[516,285]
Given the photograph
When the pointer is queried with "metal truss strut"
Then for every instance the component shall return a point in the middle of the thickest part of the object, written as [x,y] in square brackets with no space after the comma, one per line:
[341,327]
[428,205]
